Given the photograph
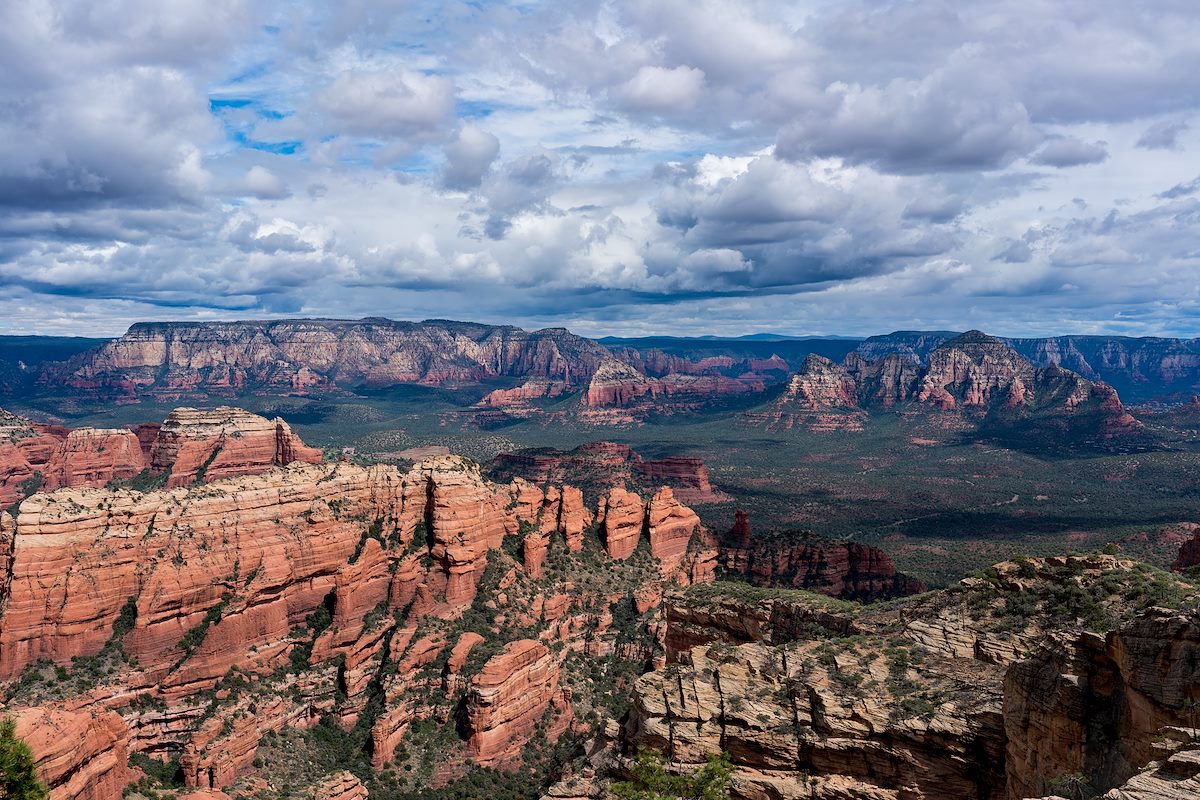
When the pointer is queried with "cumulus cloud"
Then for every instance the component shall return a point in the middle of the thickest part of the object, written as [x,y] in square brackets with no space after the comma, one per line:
[944,122]
[260,182]
[393,103]
[468,157]
[659,89]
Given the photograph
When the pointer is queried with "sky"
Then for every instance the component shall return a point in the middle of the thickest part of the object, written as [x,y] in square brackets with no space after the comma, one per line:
[1026,167]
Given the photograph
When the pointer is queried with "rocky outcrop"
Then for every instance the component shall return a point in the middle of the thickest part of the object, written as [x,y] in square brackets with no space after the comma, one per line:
[192,444]
[821,396]
[508,697]
[979,379]
[302,356]
[624,517]
[1175,775]
[975,371]
[213,616]
[573,517]
[339,786]
[1095,705]
[595,466]
[985,690]
[80,754]
[670,526]
[1189,552]
[209,444]
[93,457]
[1141,368]
[848,570]
[618,392]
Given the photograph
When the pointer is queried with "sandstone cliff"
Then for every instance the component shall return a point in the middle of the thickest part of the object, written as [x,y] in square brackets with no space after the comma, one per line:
[208,618]
[191,445]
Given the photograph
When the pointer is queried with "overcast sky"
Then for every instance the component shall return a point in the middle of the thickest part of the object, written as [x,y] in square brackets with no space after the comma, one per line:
[667,166]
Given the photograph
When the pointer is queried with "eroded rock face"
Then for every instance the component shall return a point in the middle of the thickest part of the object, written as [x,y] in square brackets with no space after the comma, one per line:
[1095,705]
[624,517]
[979,379]
[508,697]
[937,697]
[80,754]
[821,396]
[848,570]
[595,466]
[339,786]
[210,444]
[93,457]
[618,392]
[297,356]
[670,526]
[1189,553]
[331,584]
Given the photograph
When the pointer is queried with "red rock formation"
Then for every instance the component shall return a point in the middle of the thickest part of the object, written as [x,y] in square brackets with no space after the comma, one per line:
[624,516]
[520,396]
[687,476]
[617,385]
[210,444]
[340,786]
[296,356]
[597,465]
[974,370]
[1189,553]
[93,457]
[573,518]
[822,396]
[311,578]
[740,534]
[80,754]
[468,517]
[670,527]
[508,697]
[848,570]
[888,382]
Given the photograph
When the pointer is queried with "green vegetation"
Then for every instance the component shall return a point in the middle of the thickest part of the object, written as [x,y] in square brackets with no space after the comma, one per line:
[18,779]
[652,781]
[144,481]
[195,637]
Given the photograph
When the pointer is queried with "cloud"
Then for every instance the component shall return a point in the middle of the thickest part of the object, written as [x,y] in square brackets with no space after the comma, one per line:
[1163,135]
[388,104]
[1067,151]
[683,165]
[469,157]
[660,90]
[260,182]
[953,120]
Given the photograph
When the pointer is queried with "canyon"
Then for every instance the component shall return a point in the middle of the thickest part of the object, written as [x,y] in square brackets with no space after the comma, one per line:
[258,609]
[194,620]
